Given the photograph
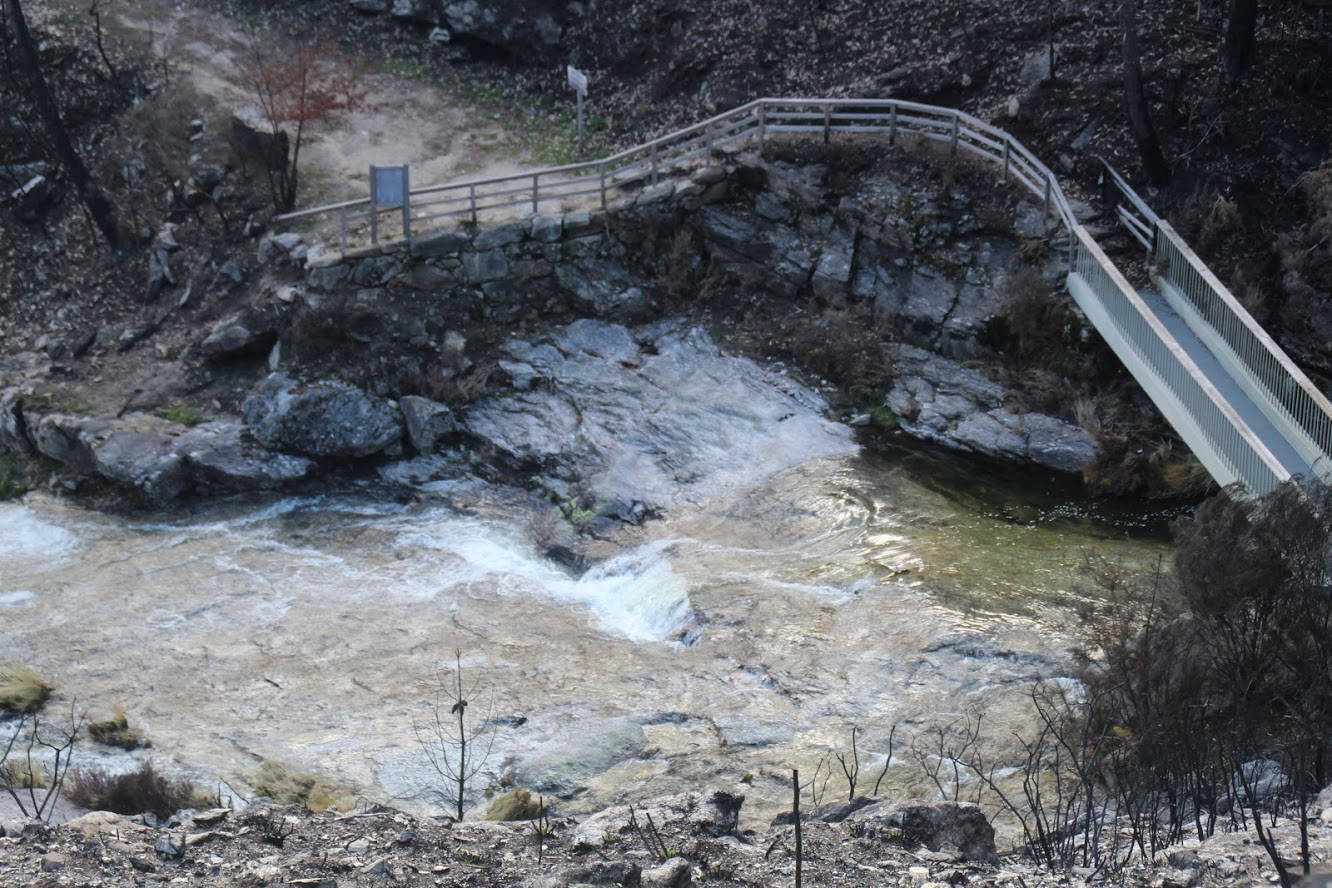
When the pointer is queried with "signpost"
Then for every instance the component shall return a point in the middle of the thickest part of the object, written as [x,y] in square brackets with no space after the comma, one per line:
[578,80]
[389,188]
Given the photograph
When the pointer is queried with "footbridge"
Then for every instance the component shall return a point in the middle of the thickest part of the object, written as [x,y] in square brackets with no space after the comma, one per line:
[1236,399]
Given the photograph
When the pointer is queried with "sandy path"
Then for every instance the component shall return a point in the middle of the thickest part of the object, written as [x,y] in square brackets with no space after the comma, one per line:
[431,128]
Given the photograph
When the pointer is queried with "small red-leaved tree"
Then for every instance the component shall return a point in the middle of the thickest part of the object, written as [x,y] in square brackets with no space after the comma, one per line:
[305,83]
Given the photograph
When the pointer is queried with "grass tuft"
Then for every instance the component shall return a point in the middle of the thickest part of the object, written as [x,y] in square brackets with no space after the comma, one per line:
[22,690]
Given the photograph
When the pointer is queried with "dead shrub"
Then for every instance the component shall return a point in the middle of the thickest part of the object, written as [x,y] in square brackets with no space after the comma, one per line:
[134,792]
[1037,327]
[1306,252]
[1205,218]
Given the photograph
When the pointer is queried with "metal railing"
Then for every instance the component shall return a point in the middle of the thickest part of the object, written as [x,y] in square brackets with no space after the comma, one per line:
[648,164]
[1226,433]
[1280,383]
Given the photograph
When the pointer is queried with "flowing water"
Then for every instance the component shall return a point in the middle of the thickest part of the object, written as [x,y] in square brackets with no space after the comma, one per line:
[726,642]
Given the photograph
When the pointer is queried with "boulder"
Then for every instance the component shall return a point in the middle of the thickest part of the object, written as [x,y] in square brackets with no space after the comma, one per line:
[13,434]
[247,332]
[606,287]
[713,812]
[674,873]
[528,31]
[327,419]
[424,11]
[939,400]
[222,458]
[253,142]
[936,825]
[499,236]
[427,422]
[602,872]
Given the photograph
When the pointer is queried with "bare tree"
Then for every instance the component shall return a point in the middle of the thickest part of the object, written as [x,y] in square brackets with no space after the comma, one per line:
[1237,50]
[103,214]
[33,784]
[454,744]
[1135,98]
[302,85]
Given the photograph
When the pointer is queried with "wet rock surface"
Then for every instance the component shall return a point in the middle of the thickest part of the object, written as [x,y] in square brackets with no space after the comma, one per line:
[324,419]
[654,416]
[940,400]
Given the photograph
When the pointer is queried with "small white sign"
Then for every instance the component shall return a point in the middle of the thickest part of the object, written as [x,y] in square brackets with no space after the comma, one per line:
[578,80]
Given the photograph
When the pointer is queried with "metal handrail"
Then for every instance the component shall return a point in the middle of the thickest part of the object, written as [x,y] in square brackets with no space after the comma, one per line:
[756,119]
[1229,436]
[1283,385]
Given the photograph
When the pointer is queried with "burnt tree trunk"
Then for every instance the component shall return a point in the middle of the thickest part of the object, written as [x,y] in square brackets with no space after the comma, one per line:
[1135,98]
[1237,51]
[99,207]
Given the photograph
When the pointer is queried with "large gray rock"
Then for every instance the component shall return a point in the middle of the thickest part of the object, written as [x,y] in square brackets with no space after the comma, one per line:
[222,458]
[427,421]
[242,333]
[530,428]
[527,30]
[425,11]
[603,872]
[674,873]
[12,425]
[606,287]
[939,400]
[937,825]
[657,415]
[162,460]
[713,812]
[444,242]
[327,419]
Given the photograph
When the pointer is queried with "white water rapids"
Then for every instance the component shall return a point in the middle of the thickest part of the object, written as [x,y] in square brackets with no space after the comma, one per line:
[735,637]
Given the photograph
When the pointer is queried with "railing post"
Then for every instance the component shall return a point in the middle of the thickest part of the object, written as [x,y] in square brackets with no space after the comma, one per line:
[955,129]
[342,228]
[1005,160]
[762,126]
[1047,202]
[601,172]
[892,126]
[471,194]
[536,193]
[827,125]
[654,164]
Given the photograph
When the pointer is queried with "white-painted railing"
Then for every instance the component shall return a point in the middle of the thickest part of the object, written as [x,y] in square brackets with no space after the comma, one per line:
[648,164]
[1208,424]
[1271,375]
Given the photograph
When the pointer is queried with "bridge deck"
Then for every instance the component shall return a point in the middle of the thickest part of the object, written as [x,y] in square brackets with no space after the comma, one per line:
[1228,386]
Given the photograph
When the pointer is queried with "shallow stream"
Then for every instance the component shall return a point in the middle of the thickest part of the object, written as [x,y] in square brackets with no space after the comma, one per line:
[724,643]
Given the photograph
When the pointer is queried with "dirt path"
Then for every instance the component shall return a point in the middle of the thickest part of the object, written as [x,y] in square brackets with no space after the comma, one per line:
[405,120]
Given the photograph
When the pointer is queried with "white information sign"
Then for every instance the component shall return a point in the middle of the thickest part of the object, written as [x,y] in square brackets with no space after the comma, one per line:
[578,80]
